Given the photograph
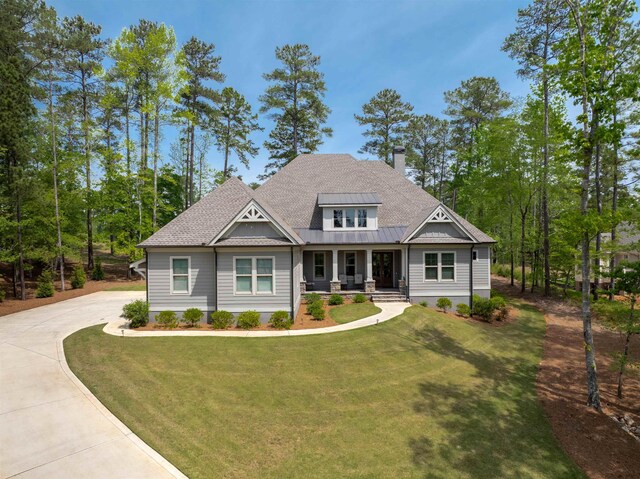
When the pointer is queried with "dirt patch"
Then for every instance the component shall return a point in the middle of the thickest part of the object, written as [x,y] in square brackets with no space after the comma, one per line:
[9,306]
[592,439]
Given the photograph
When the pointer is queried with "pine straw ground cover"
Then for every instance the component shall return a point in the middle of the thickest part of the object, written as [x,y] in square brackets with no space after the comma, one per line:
[422,395]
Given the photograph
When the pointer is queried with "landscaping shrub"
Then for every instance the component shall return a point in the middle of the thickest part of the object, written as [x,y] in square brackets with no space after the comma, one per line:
[249,319]
[336,299]
[221,319]
[192,316]
[463,310]
[45,285]
[78,278]
[499,305]
[424,304]
[444,304]
[483,308]
[312,297]
[495,294]
[316,309]
[2,295]
[97,274]
[137,312]
[281,320]
[359,298]
[167,319]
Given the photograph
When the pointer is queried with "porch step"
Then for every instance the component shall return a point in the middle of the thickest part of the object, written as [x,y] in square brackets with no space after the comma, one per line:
[389,298]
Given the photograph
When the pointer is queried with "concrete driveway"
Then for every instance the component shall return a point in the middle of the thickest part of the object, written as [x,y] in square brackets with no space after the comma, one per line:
[51,426]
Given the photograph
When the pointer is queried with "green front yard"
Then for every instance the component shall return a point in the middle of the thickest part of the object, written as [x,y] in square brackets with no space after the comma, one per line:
[352,312]
[422,395]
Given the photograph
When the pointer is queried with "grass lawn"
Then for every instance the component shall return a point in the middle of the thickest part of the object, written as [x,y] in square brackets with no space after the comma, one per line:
[350,312]
[422,395]
[129,287]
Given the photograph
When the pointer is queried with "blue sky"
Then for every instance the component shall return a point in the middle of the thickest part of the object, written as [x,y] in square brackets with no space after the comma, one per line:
[420,48]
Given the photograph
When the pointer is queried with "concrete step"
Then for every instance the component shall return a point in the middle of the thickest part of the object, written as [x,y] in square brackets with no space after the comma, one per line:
[389,298]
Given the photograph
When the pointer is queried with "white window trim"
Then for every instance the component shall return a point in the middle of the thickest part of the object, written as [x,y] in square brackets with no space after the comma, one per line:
[254,276]
[188,291]
[440,280]
[355,262]
[355,218]
[324,267]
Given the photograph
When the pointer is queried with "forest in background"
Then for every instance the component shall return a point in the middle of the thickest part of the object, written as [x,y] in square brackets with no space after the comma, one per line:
[82,119]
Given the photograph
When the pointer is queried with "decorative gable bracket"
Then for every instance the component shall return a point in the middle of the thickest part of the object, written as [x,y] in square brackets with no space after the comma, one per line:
[252,214]
[439,216]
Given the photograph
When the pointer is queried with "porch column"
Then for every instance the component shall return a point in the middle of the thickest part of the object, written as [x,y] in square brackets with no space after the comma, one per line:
[369,284]
[402,282]
[335,282]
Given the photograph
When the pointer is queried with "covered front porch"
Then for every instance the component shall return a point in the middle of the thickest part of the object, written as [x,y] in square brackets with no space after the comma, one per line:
[353,268]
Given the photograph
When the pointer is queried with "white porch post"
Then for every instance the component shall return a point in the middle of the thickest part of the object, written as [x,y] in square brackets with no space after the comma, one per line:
[403,263]
[369,265]
[335,266]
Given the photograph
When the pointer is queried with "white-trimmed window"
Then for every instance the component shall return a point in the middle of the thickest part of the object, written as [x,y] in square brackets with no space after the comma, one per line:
[350,218]
[350,263]
[180,274]
[254,275]
[319,270]
[440,266]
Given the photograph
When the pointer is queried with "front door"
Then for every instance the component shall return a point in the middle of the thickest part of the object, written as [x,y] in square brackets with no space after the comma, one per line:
[382,263]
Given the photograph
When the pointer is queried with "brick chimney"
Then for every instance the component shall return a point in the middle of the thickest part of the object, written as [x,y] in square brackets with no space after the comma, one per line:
[399,159]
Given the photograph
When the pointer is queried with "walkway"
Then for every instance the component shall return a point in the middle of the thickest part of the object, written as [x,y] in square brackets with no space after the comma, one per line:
[119,327]
[51,426]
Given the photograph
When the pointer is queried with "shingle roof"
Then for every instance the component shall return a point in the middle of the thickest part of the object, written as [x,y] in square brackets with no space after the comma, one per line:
[391,234]
[329,199]
[207,218]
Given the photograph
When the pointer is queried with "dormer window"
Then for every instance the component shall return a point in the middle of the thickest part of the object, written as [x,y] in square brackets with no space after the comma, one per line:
[350,218]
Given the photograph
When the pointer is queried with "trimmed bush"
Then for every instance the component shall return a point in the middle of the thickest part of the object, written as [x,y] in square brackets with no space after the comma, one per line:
[316,309]
[336,299]
[444,304]
[2,295]
[463,310]
[45,285]
[97,274]
[137,312]
[78,278]
[424,304]
[167,319]
[281,320]
[359,298]
[221,319]
[192,316]
[499,305]
[312,297]
[249,319]
[483,308]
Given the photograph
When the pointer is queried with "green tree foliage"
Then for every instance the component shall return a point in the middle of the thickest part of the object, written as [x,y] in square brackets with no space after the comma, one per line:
[294,100]
[234,124]
[386,117]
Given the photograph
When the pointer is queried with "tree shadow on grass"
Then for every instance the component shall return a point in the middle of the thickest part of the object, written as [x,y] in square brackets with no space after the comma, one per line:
[494,425]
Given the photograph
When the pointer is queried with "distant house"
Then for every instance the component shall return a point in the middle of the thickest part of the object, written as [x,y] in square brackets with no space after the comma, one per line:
[326,223]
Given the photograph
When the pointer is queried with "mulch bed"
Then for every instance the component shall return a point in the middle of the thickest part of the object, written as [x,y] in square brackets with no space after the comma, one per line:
[592,439]
[9,306]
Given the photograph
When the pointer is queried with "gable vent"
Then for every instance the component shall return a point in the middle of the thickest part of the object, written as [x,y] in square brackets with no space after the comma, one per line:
[439,216]
[252,214]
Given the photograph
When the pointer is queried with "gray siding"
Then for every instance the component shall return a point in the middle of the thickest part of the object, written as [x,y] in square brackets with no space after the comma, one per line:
[481,268]
[441,230]
[262,303]
[202,278]
[420,288]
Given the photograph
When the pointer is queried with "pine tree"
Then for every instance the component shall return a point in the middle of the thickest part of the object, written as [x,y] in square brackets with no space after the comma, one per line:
[294,101]
[386,117]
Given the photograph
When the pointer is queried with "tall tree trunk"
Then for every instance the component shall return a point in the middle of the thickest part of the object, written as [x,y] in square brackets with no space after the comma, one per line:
[87,159]
[596,260]
[23,288]
[511,248]
[523,282]
[226,152]
[546,246]
[54,151]
[192,166]
[156,141]
[614,209]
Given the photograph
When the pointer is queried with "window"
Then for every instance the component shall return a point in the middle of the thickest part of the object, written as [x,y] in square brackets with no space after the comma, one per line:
[254,275]
[440,266]
[337,218]
[318,265]
[350,264]
[474,255]
[350,218]
[180,275]
[362,218]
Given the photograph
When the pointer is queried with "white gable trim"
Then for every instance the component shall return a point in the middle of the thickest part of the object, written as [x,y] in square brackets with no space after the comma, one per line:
[440,215]
[252,210]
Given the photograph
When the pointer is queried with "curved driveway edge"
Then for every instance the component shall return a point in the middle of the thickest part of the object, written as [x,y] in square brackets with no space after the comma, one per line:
[120,327]
[52,426]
